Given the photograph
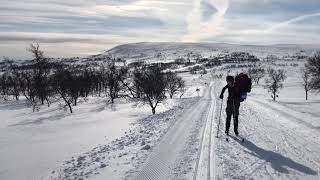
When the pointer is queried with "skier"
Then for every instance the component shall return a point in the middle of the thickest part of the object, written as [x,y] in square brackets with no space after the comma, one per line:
[233,104]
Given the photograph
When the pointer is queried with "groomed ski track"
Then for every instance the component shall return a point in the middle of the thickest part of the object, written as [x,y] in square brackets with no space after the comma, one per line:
[162,160]
[277,146]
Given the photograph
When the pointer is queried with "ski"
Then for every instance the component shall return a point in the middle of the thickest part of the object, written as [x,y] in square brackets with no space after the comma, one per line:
[241,139]
[227,137]
[238,138]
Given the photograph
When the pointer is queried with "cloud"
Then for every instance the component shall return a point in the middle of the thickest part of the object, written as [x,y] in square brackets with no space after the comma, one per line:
[97,22]
[14,10]
[199,29]
[14,44]
[207,10]
[80,38]
[293,20]
[276,27]
[80,24]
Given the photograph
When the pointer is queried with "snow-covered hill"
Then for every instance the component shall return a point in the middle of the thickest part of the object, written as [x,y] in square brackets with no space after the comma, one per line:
[155,52]
[122,141]
[152,52]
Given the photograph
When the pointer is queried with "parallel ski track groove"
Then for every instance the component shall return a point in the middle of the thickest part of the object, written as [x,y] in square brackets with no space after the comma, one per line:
[210,168]
[292,144]
[161,160]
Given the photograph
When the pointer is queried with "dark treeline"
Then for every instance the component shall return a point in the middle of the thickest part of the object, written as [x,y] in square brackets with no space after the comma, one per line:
[43,81]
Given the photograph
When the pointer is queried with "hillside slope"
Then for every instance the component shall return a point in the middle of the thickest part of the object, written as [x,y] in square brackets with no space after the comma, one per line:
[153,51]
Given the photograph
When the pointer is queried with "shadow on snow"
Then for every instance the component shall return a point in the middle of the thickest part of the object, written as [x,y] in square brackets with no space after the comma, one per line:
[278,162]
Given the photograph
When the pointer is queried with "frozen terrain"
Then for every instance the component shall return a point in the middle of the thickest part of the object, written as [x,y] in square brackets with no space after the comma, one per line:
[98,140]
[281,139]
[166,52]
[123,141]
[32,145]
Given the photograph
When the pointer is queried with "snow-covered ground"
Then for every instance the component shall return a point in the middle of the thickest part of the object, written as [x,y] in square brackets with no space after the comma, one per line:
[166,52]
[281,138]
[35,144]
[125,141]
[98,138]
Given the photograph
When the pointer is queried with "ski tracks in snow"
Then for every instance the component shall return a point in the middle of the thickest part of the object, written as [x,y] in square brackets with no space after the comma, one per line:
[276,146]
[205,166]
[186,152]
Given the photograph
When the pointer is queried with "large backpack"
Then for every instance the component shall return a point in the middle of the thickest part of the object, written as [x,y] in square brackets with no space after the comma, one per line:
[243,85]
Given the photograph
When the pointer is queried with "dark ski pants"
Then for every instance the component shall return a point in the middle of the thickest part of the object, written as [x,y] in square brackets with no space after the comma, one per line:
[232,110]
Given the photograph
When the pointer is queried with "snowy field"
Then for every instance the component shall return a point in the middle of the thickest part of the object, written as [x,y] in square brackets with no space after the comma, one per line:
[166,52]
[124,141]
[281,138]
[33,144]
[42,145]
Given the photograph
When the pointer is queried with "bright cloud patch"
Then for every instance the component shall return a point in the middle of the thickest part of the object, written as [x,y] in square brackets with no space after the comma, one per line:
[99,24]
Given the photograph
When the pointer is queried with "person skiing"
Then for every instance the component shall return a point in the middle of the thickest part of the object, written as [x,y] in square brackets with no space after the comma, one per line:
[233,104]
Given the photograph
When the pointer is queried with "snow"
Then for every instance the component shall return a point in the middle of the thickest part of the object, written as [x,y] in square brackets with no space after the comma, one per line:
[281,141]
[121,157]
[124,141]
[281,138]
[42,145]
[149,51]
[33,144]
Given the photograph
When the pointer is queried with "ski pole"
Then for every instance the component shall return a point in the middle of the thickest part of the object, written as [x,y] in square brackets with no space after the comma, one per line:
[219,118]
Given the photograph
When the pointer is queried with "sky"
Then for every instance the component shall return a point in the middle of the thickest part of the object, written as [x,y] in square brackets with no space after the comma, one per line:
[68,28]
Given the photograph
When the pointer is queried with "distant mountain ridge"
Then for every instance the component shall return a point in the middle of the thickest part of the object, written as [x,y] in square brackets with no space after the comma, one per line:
[159,51]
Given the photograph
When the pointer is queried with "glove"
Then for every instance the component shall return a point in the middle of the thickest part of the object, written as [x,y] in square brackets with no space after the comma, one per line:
[221,96]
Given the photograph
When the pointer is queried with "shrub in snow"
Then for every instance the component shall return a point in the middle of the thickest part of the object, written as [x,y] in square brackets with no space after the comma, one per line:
[175,84]
[313,68]
[41,71]
[306,83]
[256,74]
[150,83]
[113,77]
[274,81]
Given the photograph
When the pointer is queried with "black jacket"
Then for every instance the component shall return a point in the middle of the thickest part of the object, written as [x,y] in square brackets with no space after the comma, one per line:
[233,93]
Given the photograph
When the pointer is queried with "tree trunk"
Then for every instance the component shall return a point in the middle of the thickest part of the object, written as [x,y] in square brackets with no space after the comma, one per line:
[70,107]
[48,102]
[306,95]
[33,108]
[75,101]
[274,95]
[153,110]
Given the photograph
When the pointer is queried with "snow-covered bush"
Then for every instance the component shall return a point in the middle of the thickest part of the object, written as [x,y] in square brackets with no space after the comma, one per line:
[150,81]
[306,83]
[313,67]
[274,81]
[256,74]
[175,84]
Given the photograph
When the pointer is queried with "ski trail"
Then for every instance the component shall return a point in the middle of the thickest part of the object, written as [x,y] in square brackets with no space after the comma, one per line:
[160,163]
[286,114]
[277,146]
[290,142]
[283,154]
[205,166]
